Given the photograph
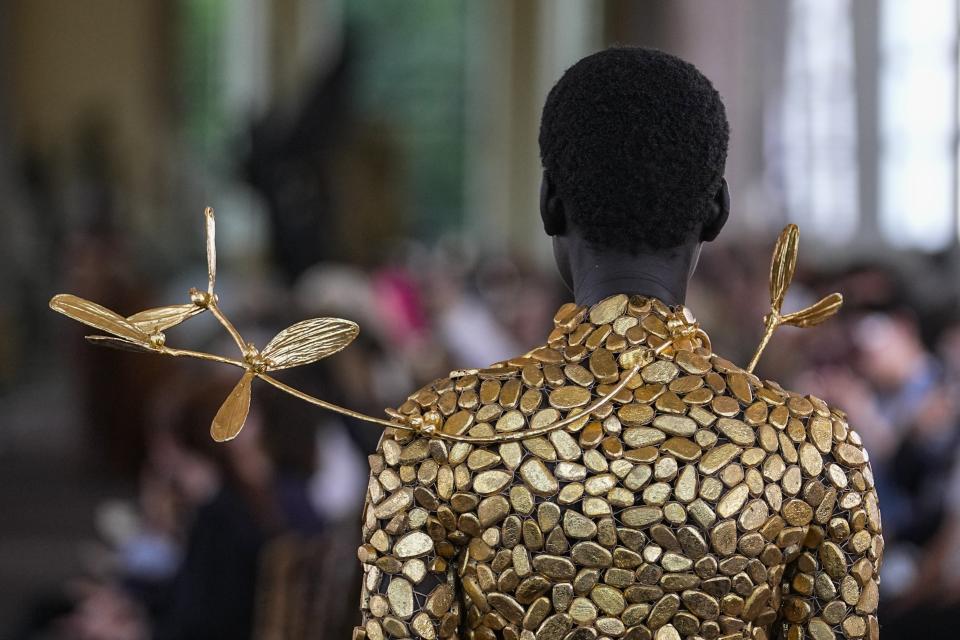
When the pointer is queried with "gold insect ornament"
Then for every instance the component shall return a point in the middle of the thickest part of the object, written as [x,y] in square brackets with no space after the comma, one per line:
[782,267]
[311,340]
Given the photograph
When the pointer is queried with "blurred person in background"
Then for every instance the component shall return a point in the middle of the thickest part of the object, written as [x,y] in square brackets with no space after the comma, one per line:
[247,531]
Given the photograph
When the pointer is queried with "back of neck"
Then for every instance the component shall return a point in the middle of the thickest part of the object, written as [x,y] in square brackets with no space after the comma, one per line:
[600,273]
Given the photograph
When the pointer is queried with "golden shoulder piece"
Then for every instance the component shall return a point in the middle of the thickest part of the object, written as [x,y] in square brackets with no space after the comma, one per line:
[308,341]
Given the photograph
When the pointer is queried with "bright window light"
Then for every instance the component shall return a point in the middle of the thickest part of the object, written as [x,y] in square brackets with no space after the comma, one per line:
[918,123]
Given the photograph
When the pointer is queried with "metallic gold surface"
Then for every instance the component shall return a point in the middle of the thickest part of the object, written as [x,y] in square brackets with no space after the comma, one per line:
[782,268]
[731,515]
[620,481]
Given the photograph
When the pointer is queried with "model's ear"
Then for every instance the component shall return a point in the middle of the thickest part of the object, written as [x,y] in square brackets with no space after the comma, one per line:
[721,211]
[551,208]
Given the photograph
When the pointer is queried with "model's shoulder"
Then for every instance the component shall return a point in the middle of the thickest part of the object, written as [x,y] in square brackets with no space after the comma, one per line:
[819,432]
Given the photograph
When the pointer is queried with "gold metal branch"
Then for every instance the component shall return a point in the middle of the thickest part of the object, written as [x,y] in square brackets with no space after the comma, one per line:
[782,267]
[311,340]
[300,344]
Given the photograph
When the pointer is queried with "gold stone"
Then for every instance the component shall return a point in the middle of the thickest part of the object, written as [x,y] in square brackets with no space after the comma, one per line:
[507,606]
[608,599]
[511,421]
[820,630]
[489,482]
[810,459]
[725,406]
[398,501]
[657,493]
[603,365]
[850,455]
[837,476]
[538,477]
[754,515]
[569,397]
[667,632]
[569,314]
[732,501]
[723,537]
[869,597]
[556,567]
[683,448]
[703,605]
[609,309]
[492,510]
[510,393]
[701,512]
[756,413]
[638,477]
[583,611]
[544,417]
[797,512]
[700,396]
[641,516]
[675,425]
[635,415]
[540,447]
[740,387]
[412,545]
[737,431]
[670,402]
[715,459]
[792,479]
[833,559]
[578,375]
[578,526]
[685,488]
[422,625]
[566,447]
[663,610]
[691,362]
[482,459]
[675,562]
[661,371]
[400,596]
[591,435]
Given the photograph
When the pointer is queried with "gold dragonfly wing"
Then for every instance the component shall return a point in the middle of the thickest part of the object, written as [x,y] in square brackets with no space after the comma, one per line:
[98,317]
[162,318]
[309,341]
[211,249]
[118,343]
[815,313]
[783,264]
[233,412]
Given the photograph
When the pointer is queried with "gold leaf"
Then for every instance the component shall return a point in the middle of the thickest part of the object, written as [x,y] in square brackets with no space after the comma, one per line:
[309,341]
[162,318]
[233,412]
[98,317]
[783,264]
[117,343]
[211,249]
[816,313]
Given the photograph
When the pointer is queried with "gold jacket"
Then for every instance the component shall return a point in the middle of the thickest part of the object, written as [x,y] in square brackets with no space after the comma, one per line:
[701,502]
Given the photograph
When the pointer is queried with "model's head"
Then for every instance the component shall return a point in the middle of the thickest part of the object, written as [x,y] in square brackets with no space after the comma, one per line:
[633,143]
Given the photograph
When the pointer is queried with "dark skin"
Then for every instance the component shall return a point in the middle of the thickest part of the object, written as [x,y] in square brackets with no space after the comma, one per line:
[594,273]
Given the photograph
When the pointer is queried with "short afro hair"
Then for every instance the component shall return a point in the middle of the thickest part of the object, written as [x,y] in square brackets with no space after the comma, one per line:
[636,141]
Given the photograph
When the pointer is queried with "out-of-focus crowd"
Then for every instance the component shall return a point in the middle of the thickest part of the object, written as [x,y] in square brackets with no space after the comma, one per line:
[256,538]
